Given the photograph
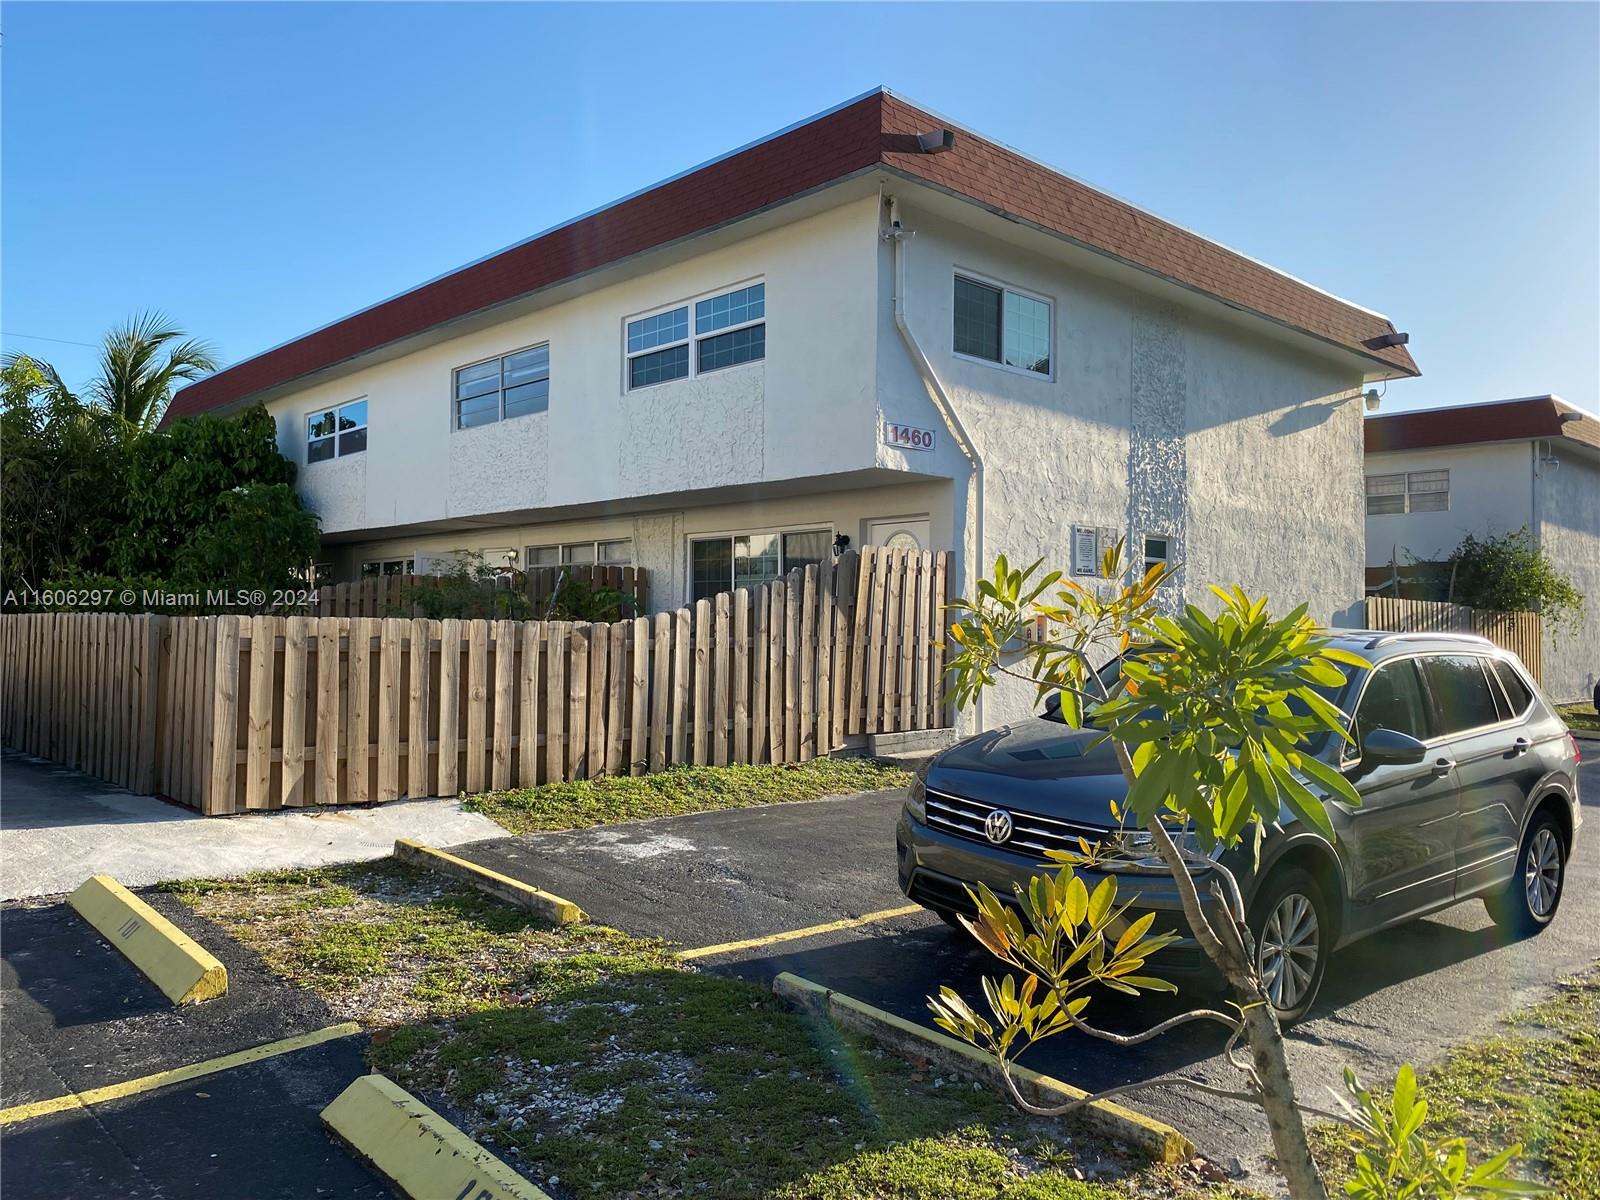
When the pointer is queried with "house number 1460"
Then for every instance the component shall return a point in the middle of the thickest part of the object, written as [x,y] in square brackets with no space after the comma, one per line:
[907,437]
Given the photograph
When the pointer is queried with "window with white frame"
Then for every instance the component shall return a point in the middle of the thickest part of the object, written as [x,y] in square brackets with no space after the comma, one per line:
[1409,491]
[373,568]
[1157,551]
[729,328]
[336,432]
[613,552]
[720,564]
[999,325]
[512,385]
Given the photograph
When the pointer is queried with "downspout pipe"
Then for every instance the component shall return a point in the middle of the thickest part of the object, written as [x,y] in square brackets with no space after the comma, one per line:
[972,532]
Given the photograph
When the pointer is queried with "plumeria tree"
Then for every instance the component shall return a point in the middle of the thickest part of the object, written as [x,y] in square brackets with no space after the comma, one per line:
[1211,719]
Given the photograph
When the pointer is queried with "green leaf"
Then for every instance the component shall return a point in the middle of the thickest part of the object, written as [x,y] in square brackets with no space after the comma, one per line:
[1331,779]
[1076,902]
[1105,894]
[1134,932]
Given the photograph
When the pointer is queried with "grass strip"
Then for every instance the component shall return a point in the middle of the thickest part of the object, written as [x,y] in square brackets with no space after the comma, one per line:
[1535,1081]
[586,802]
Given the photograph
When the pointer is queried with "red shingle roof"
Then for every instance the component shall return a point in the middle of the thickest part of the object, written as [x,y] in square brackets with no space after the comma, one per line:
[876,131]
[1472,424]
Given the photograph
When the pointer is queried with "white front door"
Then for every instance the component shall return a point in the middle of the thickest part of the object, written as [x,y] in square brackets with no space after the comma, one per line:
[900,533]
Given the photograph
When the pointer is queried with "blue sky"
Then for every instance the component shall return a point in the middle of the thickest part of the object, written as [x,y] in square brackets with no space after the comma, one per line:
[259,169]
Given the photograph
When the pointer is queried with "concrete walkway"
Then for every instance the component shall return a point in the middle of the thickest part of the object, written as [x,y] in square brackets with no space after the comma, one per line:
[58,827]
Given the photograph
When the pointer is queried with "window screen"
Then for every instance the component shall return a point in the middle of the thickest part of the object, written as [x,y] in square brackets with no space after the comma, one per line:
[977,319]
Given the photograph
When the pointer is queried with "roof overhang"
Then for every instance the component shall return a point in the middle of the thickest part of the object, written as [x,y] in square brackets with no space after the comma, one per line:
[873,133]
[1528,418]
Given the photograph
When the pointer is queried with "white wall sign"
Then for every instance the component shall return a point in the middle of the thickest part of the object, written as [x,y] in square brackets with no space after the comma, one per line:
[1085,550]
[907,437]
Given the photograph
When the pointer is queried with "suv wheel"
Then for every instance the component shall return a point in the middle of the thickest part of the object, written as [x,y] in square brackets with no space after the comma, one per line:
[1529,900]
[1292,929]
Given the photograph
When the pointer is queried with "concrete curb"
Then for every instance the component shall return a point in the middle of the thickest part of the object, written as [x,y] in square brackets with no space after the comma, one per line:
[184,970]
[416,1149]
[1160,1142]
[501,887]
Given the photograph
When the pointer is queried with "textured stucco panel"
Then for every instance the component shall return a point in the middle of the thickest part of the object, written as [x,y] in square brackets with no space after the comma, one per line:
[1569,534]
[336,490]
[1158,457]
[1274,476]
[500,466]
[705,432]
[658,547]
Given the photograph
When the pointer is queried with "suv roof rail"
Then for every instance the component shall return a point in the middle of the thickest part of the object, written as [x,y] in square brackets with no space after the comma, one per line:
[1419,635]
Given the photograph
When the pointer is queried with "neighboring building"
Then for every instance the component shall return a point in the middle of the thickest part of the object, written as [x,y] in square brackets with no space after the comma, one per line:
[1435,475]
[718,376]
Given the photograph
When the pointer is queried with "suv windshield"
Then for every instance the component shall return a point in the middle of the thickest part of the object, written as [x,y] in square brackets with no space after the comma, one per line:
[1111,672]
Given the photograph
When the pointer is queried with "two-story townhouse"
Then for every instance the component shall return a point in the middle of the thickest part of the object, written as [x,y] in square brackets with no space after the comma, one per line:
[873,325]
[1438,474]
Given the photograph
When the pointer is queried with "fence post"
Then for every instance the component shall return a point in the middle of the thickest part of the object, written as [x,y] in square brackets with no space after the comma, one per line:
[217,788]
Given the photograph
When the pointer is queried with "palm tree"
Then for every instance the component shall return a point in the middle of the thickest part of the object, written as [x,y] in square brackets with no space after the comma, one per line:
[138,368]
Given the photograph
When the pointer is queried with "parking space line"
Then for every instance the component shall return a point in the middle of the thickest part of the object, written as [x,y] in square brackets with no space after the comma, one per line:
[146,1083]
[792,935]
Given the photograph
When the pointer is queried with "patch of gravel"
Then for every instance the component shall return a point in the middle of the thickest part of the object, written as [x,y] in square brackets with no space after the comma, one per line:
[532,1093]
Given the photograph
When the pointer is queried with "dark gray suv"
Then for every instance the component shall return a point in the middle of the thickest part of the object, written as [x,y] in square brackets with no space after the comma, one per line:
[1469,788]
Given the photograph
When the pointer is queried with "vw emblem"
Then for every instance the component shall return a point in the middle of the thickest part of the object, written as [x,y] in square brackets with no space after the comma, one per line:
[997,826]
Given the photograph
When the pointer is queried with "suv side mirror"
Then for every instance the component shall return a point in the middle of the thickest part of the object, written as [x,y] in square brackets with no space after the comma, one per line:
[1392,746]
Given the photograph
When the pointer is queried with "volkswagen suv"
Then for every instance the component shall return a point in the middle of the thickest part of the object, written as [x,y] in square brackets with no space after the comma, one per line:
[1469,789]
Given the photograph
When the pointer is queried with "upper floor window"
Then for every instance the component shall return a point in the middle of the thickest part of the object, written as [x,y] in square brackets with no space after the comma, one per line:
[1411,491]
[335,432]
[511,386]
[729,329]
[1002,326]
[616,552]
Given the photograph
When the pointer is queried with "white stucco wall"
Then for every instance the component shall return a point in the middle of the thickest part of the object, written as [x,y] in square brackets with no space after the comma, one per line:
[1569,533]
[661,539]
[1491,491]
[805,410]
[1155,420]
[1499,488]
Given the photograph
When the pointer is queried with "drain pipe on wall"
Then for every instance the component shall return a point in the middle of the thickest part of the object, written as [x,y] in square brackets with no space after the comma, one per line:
[972,534]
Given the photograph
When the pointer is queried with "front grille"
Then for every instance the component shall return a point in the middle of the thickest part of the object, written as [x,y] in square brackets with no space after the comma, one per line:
[1030,832]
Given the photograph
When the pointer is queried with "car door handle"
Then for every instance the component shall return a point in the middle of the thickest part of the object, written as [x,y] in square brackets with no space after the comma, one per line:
[1443,766]
[1521,746]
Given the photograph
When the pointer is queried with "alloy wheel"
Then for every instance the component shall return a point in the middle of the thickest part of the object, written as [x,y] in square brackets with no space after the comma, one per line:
[1542,874]
[1290,946]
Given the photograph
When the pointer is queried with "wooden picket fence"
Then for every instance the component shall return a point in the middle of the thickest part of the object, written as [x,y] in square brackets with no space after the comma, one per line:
[232,714]
[1520,632]
[378,596]
[632,582]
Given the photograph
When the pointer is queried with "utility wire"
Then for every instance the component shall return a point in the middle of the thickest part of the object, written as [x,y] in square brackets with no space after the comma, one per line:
[35,337]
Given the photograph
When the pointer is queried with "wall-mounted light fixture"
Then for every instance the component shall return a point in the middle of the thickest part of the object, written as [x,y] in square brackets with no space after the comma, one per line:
[841,543]
[1385,341]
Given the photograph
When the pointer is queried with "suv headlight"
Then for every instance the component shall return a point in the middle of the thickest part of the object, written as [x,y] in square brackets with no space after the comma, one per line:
[1139,845]
[917,794]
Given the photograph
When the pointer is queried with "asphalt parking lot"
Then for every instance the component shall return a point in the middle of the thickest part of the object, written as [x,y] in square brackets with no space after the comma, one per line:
[78,1017]
[710,879]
